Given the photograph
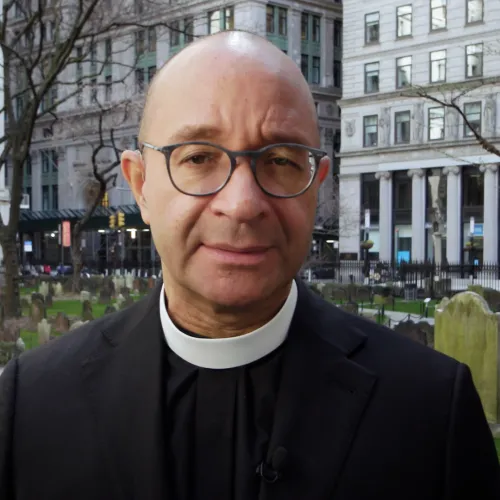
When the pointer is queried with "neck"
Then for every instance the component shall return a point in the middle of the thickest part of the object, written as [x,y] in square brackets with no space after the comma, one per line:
[197,315]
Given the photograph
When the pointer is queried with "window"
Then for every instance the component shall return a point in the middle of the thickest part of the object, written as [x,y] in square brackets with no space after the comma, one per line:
[48,132]
[28,191]
[438,66]
[188,29]
[436,124]
[139,80]
[337,74]
[108,88]
[403,72]
[404,20]
[337,34]
[55,196]
[270,19]
[93,90]
[45,162]
[316,29]
[337,141]
[315,70]
[370,131]
[140,43]
[371,77]
[108,50]
[93,57]
[45,198]
[472,111]
[474,60]
[372,27]
[152,39]
[79,93]
[475,11]
[304,23]
[175,38]
[54,160]
[151,73]
[28,165]
[304,65]
[283,21]
[402,130]
[438,14]
[276,20]
[220,20]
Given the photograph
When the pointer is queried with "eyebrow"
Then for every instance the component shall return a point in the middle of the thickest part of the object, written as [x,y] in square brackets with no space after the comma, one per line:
[196,133]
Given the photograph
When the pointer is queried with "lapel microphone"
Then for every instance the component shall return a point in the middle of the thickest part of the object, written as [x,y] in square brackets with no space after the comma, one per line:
[271,472]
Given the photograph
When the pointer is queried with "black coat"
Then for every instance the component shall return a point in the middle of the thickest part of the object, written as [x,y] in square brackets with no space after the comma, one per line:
[364,414]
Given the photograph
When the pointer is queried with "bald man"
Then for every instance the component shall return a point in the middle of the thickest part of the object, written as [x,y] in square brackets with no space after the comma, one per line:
[232,381]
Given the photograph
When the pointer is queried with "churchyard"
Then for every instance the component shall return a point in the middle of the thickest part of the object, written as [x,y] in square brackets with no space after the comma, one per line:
[465,326]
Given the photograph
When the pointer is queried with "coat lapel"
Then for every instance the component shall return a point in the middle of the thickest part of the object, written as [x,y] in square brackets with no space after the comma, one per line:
[123,383]
[323,395]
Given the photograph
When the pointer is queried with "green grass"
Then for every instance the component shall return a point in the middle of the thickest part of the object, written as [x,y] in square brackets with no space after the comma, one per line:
[410,307]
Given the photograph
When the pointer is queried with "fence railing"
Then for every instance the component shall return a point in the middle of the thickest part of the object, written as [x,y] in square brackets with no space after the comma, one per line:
[430,279]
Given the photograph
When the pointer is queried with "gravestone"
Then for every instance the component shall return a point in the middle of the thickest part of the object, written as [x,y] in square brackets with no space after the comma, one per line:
[77,324]
[84,295]
[363,295]
[339,294]
[37,296]
[137,285]
[58,290]
[350,307]
[467,330]
[110,309]
[51,289]
[119,301]
[87,314]
[49,300]
[143,286]
[125,291]
[43,289]
[428,329]
[37,311]
[44,330]
[412,331]
[127,302]
[151,283]
[492,296]
[129,281]
[105,296]
[62,323]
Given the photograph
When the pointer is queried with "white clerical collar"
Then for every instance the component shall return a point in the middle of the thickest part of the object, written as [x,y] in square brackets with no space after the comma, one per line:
[229,352]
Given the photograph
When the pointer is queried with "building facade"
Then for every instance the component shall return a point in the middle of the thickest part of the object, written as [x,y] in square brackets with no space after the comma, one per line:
[60,166]
[421,86]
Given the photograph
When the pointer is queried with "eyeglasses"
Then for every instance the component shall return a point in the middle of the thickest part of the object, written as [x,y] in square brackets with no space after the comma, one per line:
[201,168]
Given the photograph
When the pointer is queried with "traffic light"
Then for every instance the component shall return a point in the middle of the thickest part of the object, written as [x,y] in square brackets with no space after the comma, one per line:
[121,219]
[112,221]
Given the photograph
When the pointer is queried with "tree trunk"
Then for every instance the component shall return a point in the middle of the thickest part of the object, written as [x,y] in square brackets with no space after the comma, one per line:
[76,257]
[11,299]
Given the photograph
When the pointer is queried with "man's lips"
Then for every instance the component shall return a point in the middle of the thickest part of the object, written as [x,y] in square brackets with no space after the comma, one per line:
[237,256]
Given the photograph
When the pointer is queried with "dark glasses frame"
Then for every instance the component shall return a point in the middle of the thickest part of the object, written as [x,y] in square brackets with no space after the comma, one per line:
[317,154]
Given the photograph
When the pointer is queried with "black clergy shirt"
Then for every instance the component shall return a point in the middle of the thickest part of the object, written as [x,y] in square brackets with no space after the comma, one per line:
[218,426]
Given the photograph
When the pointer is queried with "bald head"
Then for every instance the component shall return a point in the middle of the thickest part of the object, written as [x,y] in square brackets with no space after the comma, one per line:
[222,54]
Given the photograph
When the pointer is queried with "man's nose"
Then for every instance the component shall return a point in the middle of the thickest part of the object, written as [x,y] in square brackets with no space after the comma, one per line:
[241,199]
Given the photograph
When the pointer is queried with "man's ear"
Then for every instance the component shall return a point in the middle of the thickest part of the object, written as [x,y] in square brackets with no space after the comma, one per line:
[324,167]
[135,174]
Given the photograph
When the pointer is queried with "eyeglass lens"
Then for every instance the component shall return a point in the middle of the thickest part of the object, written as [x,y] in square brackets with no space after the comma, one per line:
[202,169]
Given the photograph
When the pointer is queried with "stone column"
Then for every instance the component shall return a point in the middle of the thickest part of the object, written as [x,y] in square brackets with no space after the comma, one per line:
[417,214]
[385,215]
[490,214]
[454,244]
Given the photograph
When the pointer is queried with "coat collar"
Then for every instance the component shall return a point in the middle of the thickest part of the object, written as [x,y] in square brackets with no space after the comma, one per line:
[322,397]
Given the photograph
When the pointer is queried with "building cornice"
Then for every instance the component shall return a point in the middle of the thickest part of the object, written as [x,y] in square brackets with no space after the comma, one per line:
[412,92]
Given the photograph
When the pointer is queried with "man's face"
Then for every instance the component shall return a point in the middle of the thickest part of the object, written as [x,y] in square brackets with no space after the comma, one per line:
[239,246]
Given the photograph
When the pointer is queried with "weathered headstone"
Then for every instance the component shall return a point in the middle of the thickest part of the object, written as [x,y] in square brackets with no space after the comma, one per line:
[137,285]
[363,295]
[77,324]
[110,309]
[49,300]
[43,289]
[51,290]
[62,323]
[105,296]
[37,296]
[125,291]
[37,311]
[84,295]
[350,307]
[87,314]
[127,302]
[58,289]
[151,283]
[412,331]
[467,330]
[44,330]
[119,301]
[129,281]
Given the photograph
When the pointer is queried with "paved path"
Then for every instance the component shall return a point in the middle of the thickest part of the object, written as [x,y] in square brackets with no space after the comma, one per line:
[396,316]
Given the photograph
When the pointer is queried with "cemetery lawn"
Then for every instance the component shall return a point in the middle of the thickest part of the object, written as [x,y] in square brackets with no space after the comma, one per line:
[413,307]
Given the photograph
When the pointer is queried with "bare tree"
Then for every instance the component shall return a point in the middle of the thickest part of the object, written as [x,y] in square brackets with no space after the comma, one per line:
[451,97]
[50,59]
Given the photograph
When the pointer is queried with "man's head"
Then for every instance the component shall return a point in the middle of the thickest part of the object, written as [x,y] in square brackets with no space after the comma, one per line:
[239,246]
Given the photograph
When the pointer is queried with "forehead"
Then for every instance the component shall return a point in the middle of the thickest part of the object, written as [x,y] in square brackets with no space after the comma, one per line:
[219,97]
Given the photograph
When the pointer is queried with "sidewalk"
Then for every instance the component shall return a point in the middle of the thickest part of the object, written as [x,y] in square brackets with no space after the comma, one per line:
[397,317]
